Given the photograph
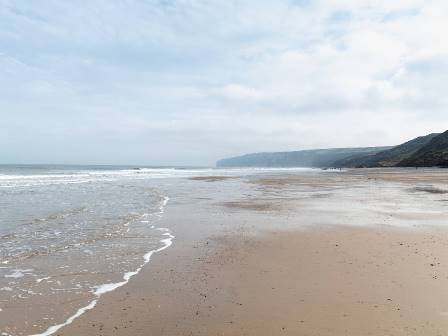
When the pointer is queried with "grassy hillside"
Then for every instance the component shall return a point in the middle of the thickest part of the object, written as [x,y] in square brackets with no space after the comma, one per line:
[433,154]
[388,158]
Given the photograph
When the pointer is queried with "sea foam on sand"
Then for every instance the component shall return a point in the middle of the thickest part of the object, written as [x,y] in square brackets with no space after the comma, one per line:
[106,288]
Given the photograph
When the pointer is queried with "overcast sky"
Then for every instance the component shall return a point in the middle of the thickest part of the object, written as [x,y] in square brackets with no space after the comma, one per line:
[189,82]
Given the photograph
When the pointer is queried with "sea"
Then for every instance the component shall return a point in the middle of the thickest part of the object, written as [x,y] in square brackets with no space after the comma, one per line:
[73,233]
[70,234]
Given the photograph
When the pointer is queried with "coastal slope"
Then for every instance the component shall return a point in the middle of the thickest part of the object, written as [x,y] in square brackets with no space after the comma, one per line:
[425,151]
[304,158]
[432,154]
[390,157]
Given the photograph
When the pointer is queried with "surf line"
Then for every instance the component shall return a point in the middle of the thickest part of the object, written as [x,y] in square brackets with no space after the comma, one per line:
[106,288]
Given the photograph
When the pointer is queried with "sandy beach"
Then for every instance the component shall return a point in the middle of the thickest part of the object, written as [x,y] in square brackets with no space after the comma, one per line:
[325,281]
[319,279]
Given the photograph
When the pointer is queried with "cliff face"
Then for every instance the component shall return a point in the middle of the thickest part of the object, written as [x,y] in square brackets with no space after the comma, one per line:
[306,158]
[432,154]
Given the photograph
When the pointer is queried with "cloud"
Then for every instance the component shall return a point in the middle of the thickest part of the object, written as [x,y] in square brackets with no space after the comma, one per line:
[188,82]
[238,92]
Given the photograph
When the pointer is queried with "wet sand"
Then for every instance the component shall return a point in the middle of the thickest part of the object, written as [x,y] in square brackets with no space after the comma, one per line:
[300,280]
[325,281]
[213,178]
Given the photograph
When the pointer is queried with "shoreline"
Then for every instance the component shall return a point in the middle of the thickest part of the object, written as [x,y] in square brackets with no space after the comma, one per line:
[97,292]
[110,287]
[264,235]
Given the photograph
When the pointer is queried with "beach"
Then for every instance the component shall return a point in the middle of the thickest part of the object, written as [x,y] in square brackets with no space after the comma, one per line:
[318,282]
[311,280]
[312,252]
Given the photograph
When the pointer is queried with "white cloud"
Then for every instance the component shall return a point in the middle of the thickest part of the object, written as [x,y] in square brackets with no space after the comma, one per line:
[217,78]
[240,92]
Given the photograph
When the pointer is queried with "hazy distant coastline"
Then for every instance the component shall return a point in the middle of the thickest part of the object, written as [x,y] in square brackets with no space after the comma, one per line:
[425,151]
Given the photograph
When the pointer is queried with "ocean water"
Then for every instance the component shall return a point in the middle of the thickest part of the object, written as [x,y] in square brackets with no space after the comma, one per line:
[69,234]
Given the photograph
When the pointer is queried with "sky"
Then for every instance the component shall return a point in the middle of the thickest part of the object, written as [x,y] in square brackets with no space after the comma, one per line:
[188,82]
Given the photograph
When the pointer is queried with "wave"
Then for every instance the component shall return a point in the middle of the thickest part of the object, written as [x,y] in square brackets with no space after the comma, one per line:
[109,287]
[87,176]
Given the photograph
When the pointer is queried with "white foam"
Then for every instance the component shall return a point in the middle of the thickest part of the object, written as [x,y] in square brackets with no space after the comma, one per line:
[86,176]
[42,279]
[80,311]
[18,273]
[106,288]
